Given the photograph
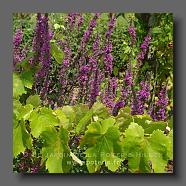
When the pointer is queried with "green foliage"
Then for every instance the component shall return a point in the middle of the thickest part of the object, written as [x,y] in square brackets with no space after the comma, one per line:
[101,138]
[56,151]
[21,138]
[140,151]
[108,140]
[42,119]
[56,52]
[34,100]
[18,86]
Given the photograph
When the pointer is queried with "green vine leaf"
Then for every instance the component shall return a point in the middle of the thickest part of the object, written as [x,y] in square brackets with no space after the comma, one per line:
[64,121]
[101,138]
[34,100]
[21,138]
[40,121]
[18,86]
[69,112]
[159,148]
[81,126]
[135,149]
[55,151]
[27,78]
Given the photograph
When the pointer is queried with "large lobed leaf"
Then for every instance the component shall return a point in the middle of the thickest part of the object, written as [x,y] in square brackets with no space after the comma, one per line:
[55,151]
[101,137]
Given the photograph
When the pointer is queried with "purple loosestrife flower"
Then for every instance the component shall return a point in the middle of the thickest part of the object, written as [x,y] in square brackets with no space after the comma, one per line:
[80,21]
[144,48]
[128,78]
[63,71]
[126,88]
[109,95]
[17,39]
[42,56]
[88,32]
[158,110]
[96,45]
[111,25]
[108,58]
[142,96]
[45,56]
[18,53]
[84,71]
[117,107]
[37,40]
[95,83]
[84,80]
[93,63]
[71,20]
[41,45]
[132,33]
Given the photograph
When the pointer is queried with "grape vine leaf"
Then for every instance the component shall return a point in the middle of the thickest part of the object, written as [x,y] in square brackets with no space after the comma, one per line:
[18,86]
[100,110]
[22,112]
[135,150]
[148,125]
[101,137]
[27,78]
[40,121]
[64,121]
[159,148]
[55,151]
[21,138]
[80,110]
[81,126]
[69,112]
[57,53]
[34,100]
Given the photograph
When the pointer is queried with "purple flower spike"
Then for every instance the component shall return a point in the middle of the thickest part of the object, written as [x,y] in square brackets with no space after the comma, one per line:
[132,33]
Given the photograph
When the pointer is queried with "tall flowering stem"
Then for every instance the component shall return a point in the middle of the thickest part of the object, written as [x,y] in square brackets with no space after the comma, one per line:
[138,106]
[71,20]
[111,25]
[95,83]
[108,59]
[144,48]
[158,110]
[64,73]
[18,53]
[132,32]
[109,94]
[126,88]
[80,21]
[88,32]
[42,56]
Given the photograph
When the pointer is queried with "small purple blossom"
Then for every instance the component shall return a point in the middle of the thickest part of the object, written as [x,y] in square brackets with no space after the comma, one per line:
[158,110]
[144,48]
[142,96]
[108,58]
[117,107]
[95,86]
[71,20]
[17,39]
[18,53]
[132,33]
[111,25]
[80,21]
[109,94]
[88,32]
